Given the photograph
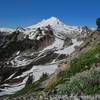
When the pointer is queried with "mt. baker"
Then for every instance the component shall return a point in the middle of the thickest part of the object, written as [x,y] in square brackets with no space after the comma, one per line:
[34,50]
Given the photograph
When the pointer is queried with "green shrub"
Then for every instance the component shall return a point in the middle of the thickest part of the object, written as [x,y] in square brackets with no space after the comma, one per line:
[89,85]
[52,83]
[98,21]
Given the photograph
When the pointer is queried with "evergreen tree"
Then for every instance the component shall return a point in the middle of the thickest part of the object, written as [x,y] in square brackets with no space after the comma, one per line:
[98,23]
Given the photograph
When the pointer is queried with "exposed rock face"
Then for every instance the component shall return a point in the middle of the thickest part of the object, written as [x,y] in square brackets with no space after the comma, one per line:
[18,41]
[84,33]
[29,80]
[67,42]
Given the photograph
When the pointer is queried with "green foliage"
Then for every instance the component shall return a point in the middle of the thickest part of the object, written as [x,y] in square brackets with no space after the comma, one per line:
[98,21]
[85,61]
[54,82]
[87,85]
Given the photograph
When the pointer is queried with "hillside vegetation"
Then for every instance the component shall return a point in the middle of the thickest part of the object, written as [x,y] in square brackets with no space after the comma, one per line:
[83,69]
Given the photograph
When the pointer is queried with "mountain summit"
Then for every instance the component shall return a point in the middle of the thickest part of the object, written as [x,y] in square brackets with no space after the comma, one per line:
[57,26]
[53,21]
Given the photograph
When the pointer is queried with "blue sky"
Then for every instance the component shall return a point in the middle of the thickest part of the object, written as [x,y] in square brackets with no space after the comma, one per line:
[15,13]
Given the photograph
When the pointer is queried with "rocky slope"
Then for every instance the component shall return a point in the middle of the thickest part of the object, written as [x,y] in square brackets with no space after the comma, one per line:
[29,52]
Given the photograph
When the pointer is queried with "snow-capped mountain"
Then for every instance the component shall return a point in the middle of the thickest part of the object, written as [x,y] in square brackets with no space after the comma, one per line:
[53,21]
[58,26]
[35,50]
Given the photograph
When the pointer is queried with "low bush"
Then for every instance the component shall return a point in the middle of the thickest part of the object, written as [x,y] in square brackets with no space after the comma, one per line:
[89,85]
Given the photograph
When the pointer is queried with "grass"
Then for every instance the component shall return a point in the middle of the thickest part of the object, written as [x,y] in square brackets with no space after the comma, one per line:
[52,83]
[88,85]
[85,61]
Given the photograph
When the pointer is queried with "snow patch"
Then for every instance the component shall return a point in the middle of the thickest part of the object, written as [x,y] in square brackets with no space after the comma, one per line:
[71,48]
[37,73]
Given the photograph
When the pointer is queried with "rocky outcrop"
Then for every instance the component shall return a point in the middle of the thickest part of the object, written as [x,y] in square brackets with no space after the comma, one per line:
[84,33]
[67,42]
[19,41]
